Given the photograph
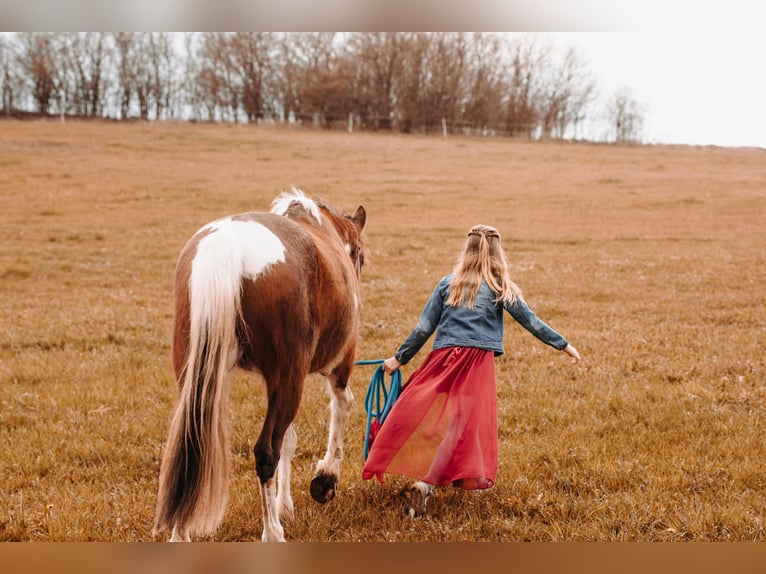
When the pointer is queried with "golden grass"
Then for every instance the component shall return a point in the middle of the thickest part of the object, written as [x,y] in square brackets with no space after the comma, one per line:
[649,259]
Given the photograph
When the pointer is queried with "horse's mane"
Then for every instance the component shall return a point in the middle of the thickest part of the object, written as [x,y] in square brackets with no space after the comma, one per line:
[284,200]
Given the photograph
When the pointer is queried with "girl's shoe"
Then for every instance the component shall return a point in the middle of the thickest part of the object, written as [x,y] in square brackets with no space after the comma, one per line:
[419,494]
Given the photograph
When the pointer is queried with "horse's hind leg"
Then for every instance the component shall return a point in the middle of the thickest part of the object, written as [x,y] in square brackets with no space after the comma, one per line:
[283,401]
[178,536]
[284,498]
[325,479]
[272,527]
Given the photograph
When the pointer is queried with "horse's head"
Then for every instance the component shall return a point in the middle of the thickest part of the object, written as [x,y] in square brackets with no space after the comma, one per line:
[358,245]
[352,233]
[350,228]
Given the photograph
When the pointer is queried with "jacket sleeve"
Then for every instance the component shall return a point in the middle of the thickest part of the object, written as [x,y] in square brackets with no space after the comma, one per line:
[429,319]
[525,317]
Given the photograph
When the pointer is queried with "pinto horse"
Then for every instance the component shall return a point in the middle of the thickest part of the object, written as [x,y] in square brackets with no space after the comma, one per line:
[277,294]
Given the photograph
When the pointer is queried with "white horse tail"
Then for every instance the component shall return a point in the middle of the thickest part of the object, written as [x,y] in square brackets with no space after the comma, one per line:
[194,474]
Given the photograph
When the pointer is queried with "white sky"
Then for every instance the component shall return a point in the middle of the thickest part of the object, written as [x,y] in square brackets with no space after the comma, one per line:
[701,88]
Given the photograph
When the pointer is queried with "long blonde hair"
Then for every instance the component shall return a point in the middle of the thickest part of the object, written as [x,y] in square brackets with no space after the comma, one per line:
[482,258]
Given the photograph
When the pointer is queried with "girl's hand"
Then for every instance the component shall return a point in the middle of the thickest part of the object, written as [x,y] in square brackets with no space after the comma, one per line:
[572,352]
[390,365]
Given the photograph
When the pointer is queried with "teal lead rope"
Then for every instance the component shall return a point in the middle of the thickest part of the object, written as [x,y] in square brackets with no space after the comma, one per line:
[379,398]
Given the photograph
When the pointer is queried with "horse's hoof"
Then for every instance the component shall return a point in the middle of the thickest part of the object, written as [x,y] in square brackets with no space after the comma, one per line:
[323,487]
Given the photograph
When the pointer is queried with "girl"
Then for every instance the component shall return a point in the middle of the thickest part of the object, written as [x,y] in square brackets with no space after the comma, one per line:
[443,428]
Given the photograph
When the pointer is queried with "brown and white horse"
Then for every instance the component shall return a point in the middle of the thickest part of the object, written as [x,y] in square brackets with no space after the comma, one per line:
[277,294]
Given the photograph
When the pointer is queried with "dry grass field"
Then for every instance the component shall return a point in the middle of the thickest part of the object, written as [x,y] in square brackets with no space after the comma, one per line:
[650,260]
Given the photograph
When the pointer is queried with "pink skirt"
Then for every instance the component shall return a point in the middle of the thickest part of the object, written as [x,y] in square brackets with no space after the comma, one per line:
[443,428]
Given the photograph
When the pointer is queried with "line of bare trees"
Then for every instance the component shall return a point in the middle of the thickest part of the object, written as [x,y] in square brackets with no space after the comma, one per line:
[403,81]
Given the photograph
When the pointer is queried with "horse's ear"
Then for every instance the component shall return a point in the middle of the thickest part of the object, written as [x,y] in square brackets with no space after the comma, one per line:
[360,218]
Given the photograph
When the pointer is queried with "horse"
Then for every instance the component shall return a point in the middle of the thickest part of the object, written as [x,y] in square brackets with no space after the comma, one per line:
[276,293]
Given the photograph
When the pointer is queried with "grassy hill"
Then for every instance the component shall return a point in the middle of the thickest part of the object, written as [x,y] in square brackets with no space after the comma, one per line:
[649,259]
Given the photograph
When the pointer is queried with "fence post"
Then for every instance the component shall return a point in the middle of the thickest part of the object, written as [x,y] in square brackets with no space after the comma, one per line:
[444,127]
[350,122]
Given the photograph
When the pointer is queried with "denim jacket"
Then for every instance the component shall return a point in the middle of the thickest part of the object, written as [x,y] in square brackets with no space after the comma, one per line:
[480,327]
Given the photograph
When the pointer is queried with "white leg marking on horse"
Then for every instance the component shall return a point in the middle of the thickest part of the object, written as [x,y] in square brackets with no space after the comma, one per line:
[340,408]
[284,497]
[178,537]
[272,529]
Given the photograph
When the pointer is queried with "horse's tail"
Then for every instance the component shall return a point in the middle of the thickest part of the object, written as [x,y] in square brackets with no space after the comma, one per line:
[194,474]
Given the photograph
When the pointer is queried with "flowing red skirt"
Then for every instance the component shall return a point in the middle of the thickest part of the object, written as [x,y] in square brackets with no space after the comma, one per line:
[443,428]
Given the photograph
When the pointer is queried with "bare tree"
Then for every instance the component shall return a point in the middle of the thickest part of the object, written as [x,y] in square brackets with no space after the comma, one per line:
[483,104]
[39,65]
[83,60]
[249,55]
[448,70]
[11,83]
[327,85]
[145,69]
[432,81]
[626,116]
[128,48]
[376,59]
[193,97]
[413,68]
[156,79]
[292,63]
[236,75]
[317,78]
[144,83]
[568,90]
[524,85]
[213,82]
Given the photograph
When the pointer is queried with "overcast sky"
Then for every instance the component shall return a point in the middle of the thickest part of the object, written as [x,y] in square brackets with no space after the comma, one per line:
[702,88]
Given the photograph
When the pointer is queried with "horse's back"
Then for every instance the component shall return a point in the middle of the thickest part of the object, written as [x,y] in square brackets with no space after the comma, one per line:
[279,310]
[305,307]
[296,284]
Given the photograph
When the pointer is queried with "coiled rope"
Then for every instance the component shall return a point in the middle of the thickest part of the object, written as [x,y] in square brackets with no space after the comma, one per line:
[379,399]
